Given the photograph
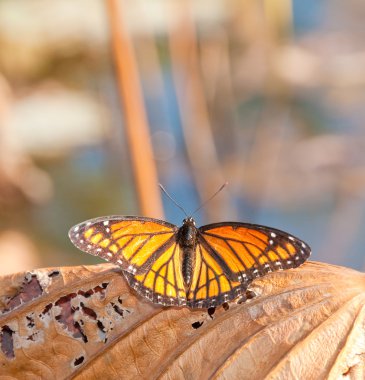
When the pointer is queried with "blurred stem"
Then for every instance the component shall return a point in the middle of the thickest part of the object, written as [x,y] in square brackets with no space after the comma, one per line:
[279,18]
[193,108]
[279,21]
[136,125]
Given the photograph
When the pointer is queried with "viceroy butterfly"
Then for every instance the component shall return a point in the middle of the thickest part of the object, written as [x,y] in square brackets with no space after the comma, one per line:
[189,266]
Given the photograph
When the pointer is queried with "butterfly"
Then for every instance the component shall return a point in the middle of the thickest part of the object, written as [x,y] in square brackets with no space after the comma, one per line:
[189,266]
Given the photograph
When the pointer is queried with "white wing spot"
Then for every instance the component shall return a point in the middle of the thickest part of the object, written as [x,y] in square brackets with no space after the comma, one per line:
[303,245]
[291,238]
[181,301]
[98,249]
[88,223]
[110,254]
[88,246]
[289,262]
[107,230]
[273,234]
[81,241]
[271,242]
[106,223]
[77,235]
[296,257]
[76,228]
[120,262]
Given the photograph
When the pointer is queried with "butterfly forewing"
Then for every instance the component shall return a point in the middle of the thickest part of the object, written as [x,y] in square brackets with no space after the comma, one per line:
[131,242]
[251,250]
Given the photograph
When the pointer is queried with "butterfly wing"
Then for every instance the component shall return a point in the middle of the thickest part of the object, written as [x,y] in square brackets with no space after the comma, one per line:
[210,284]
[144,248]
[163,283]
[229,256]
[131,242]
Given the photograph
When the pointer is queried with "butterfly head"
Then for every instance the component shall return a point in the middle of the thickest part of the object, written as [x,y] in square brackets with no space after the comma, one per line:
[189,220]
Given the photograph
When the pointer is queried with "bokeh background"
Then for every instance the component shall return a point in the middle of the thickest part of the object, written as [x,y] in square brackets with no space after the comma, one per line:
[101,100]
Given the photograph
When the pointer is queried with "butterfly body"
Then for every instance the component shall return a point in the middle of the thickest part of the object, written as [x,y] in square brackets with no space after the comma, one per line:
[189,266]
[187,241]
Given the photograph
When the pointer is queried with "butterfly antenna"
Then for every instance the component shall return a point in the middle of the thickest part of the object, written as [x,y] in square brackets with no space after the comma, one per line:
[209,199]
[172,199]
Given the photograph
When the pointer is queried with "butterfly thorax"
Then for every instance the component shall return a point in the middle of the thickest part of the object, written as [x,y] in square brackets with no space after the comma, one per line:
[187,242]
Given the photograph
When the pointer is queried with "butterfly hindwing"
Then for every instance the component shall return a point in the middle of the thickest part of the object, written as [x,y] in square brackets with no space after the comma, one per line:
[210,285]
[163,283]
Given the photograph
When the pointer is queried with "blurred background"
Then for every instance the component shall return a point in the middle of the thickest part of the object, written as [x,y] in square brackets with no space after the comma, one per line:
[101,100]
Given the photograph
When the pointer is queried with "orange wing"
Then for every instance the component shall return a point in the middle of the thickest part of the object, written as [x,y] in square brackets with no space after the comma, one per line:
[163,283]
[229,256]
[144,248]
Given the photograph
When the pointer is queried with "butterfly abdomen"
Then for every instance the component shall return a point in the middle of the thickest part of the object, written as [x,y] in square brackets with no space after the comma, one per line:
[187,265]
[187,242]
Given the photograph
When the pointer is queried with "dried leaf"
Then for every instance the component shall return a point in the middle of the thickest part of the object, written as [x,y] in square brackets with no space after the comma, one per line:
[86,323]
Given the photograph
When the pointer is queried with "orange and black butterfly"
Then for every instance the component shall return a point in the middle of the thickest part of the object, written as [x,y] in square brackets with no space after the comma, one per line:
[196,267]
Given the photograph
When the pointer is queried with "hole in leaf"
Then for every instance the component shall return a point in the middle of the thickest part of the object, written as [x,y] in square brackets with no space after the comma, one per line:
[196,324]
[250,294]
[81,332]
[79,360]
[118,309]
[30,320]
[47,309]
[31,337]
[100,326]
[54,273]
[7,343]
[86,294]
[211,311]
[88,311]
[29,290]
[66,317]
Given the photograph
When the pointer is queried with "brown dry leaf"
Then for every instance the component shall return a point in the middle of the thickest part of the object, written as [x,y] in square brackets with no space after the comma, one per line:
[85,323]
